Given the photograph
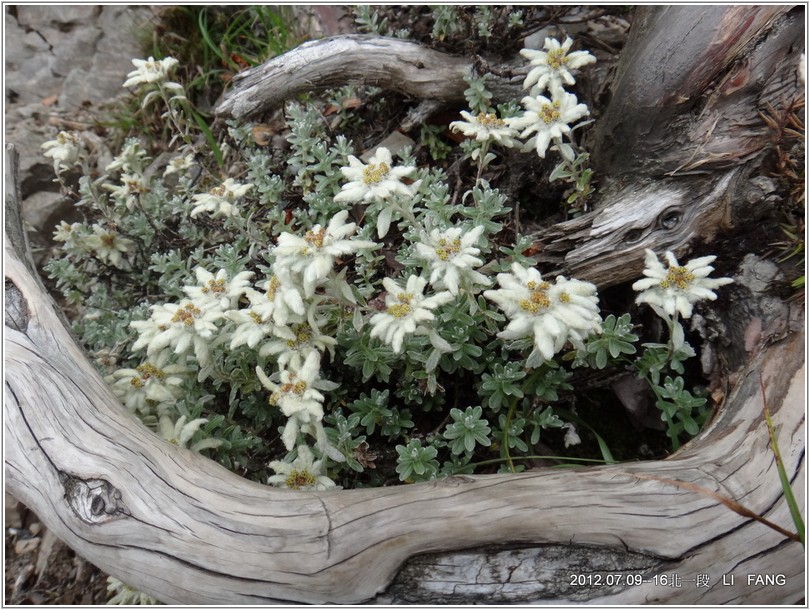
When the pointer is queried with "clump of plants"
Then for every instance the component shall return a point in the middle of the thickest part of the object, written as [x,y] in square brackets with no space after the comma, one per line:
[317,318]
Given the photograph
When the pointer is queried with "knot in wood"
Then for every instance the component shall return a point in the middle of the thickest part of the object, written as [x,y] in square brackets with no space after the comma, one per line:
[94,501]
[16,307]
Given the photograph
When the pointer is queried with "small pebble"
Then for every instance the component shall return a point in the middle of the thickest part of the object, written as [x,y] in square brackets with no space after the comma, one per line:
[22,547]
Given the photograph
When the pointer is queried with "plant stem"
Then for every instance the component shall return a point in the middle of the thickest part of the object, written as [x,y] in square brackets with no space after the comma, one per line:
[509,415]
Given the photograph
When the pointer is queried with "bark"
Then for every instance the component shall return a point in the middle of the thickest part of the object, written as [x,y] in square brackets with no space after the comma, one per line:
[390,63]
[182,528]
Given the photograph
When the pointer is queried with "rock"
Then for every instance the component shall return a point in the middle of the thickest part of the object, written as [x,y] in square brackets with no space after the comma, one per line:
[26,545]
[74,54]
[395,142]
[102,79]
[62,16]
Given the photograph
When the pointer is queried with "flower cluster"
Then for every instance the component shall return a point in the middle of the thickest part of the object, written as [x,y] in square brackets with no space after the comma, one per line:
[297,397]
[220,200]
[312,256]
[405,311]
[552,314]
[486,128]
[303,473]
[103,243]
[676,288]
[546,119]
[378,182]
[148,71]
[64,151]
[149,385]
[551,69]
[451,256]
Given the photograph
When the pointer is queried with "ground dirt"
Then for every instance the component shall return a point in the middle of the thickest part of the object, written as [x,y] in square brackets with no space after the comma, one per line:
[39,569]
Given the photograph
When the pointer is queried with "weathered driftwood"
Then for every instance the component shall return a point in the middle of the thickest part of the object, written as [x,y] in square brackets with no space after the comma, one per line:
[182,528]
[689,85]
[389,63]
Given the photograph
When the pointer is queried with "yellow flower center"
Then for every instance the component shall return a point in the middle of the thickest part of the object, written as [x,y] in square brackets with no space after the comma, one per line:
[299,478]
[556,59]
[216,286]
[134,185]
[315,238]
[446,249]
[293,387]
[538,299]
[564,297]
[186,314]
[550,112]
[374,173]
[148,370]
[255,317]
[489,120]
[108,239]
[272,287]
[679,276]
[219,191]
[64,137]
[136,382]
[303,333]
[399,310]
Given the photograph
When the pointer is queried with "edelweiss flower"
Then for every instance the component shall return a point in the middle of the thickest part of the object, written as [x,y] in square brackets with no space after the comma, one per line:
[313,255]
[220,199]
[405,312]
[150,71]
[147,384]
[281,300]
[303,473]
[551,67]
[67,233]
[108,245]
[178,164]
[180,433]
[677,288]
[130,160]
[296,396]
[485,127]
[251,329]
[131,187]
[295,345]
[451,256]
[548,119]
[376,181]
[553,313]
[183,326]
[218,289]
[64,150]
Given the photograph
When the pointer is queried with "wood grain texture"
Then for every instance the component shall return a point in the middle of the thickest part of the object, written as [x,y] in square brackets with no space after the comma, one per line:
[689,84]
[389,63]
